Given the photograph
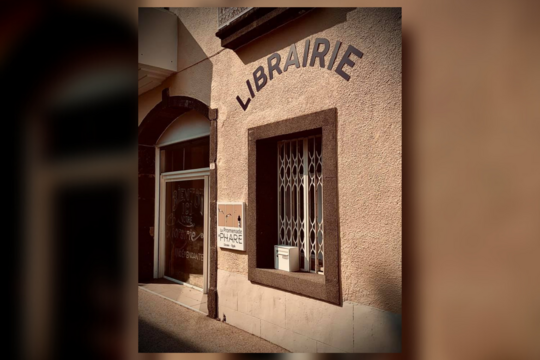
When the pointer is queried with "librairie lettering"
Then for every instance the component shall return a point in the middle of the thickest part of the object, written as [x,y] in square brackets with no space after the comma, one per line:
[321,47]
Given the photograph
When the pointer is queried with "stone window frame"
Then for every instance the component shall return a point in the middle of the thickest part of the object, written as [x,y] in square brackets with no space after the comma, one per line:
[324,287]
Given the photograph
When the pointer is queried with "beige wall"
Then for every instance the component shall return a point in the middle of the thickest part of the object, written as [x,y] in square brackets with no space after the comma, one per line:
[369,128]
[301,324]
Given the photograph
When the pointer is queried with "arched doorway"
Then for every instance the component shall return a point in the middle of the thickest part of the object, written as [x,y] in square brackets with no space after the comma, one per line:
[164,170]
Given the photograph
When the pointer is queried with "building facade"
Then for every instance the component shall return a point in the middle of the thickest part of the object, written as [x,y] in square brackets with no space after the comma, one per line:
[270,157]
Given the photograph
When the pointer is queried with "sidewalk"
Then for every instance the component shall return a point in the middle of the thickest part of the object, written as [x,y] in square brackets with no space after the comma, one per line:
[165,326]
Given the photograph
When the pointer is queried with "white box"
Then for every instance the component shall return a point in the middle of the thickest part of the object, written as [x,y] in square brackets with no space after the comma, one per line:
[286,258]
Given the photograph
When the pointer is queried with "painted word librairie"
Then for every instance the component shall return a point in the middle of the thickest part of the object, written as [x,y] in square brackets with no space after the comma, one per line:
[321,48]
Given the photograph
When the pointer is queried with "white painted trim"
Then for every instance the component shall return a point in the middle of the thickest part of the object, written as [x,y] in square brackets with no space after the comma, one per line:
[206,245]
[195,174]
[159,208]
[156,215]
[185,174]
[161,264]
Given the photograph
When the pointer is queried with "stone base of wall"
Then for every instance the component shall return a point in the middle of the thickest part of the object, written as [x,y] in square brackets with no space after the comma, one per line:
[301,324]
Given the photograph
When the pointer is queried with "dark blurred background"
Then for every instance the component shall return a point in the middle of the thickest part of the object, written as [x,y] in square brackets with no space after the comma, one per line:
[70,109]
[471,179]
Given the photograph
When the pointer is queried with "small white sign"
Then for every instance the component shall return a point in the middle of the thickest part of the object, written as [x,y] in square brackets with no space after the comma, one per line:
[231,226]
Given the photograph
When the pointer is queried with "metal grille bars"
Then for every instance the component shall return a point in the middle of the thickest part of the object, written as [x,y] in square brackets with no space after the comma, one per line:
[300,187]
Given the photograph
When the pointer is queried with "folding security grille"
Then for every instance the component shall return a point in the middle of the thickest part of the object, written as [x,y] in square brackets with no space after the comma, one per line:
[300,189]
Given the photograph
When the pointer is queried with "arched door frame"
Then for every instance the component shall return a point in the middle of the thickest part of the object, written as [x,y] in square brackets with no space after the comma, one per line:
[151,128]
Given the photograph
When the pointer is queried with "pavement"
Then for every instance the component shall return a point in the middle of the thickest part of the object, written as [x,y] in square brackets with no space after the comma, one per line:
[184,295]
[167,327]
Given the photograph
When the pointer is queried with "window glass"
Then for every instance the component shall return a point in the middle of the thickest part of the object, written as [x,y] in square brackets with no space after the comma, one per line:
[300,223]
[184,231]
[187,155]
[197,155]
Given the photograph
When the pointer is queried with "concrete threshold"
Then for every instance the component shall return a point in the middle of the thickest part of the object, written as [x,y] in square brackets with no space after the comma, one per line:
[174,301]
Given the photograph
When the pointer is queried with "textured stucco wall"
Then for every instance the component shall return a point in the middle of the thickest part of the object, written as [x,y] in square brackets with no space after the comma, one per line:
[369,129]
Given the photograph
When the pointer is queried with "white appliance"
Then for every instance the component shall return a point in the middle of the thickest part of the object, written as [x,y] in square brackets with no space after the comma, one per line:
[286,258]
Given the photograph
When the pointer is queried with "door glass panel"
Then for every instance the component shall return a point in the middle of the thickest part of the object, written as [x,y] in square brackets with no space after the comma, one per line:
[184,231]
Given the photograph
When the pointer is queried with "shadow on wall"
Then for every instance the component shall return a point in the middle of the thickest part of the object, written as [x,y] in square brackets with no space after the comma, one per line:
[382,329]
[388,290]
[311,23]
[193,60]
[146,184]
[194,80]
[379,331]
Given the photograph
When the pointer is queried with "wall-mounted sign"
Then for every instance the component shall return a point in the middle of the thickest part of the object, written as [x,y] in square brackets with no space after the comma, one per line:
[230,229]
[321,48]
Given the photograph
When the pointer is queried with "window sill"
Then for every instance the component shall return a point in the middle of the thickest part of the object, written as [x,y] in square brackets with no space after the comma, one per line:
[302,283]
[316,278]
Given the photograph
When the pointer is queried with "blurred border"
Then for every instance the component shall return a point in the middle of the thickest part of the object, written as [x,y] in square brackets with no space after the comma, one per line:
[471,175]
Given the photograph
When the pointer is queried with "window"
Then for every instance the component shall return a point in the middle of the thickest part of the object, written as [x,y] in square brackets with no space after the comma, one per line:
[186,155]
[300,205]
[293,200]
